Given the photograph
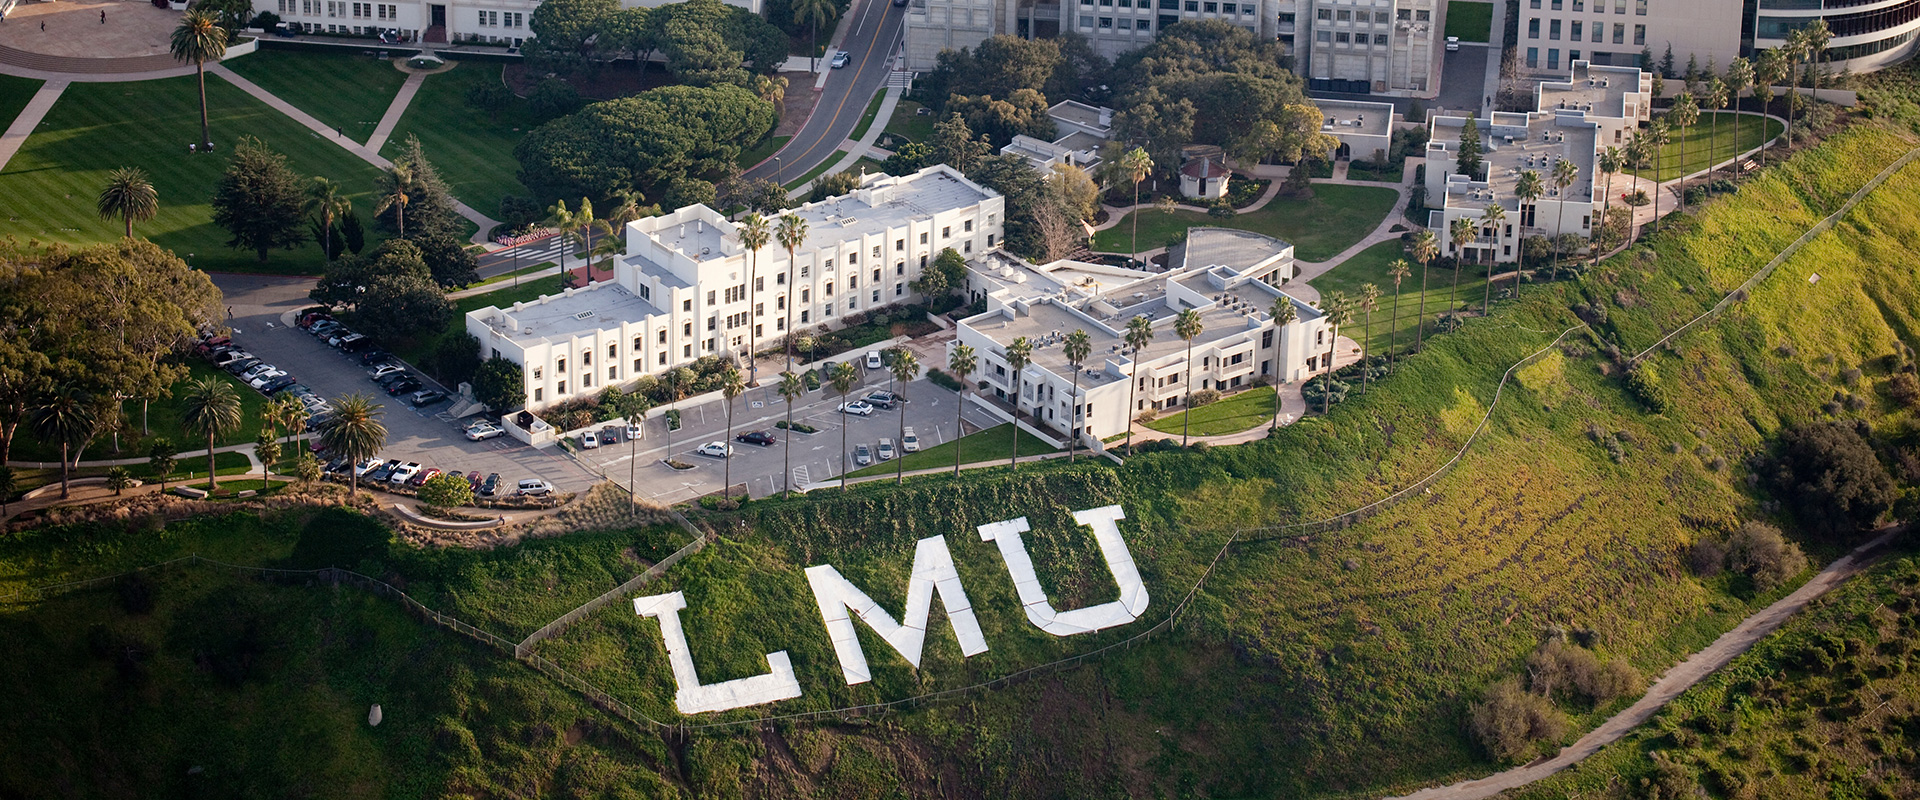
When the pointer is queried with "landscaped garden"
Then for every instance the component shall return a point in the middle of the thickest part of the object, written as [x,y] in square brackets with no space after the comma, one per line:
[1695,148]
[1235,413]
[346,91]
[1318,227]
[162,419]
[992,444]
[1372,265]
[472,147]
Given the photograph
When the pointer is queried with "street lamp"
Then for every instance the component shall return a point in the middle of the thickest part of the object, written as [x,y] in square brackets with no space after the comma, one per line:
[776,171]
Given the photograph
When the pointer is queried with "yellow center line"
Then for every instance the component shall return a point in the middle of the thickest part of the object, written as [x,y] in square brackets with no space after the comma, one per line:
[858,71]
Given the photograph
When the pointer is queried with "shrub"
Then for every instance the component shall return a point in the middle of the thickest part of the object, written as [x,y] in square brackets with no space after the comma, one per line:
[1509,720]
[1904,388]
[798,426]
[673,419]
[1833,473]
[1202,398]
[489,96]
[1707,557]
[1644,382]
[1221,209]
[447,490]
[1759,551]
[940,378]
[553,98]
[1637,198]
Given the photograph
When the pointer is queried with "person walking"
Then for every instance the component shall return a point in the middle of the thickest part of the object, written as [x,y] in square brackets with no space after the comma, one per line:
[43,26]
[103,16]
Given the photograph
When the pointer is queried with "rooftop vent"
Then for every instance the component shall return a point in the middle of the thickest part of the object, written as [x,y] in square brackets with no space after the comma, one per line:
[588,314]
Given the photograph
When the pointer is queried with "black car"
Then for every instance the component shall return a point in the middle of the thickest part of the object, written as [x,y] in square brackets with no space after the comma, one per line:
[242,365]
[762,438]
[318,422]
[392,378]
[374,356]
[403,387]
[341,464]
[278,384]
[381,473]
[427,397]
[491,485]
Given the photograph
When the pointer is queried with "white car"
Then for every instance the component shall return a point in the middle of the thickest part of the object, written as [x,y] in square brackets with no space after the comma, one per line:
[361,469]
[384,370]
[404,473]
[841,58]
[1453,43]
[589,441]
[886,449]
[873,360]
[534,487]
[715,449]
[861,455]
[254,371]
[267,377]
[484,430]
[909,443]
[633,431]
[858,408]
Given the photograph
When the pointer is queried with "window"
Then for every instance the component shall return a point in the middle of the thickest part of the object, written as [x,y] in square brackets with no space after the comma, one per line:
[899,245]
[1211,8]
[538,394]
[876,295]
[1343,15]
[1323,37]
[1572,56]
[876,275]
[514,19]
[1193,5]
[1639,8]
[1533,58]
[686,305]
[1579,5]
[827,265]
[1325,14]
[686,351]
[1266,339]
[804,268]
[536,373]
[713,322]
[710,296]
[1533,30]
[663,335]
[806,295]
[639,364]
[759,309]
[663,357]
[967,226]
[780,279]
[1423,15]
[1343,37]
[1619,6]
[586,358]
[561,389]
[803,317]
[612,374]
[853,282]
[1380,39]
[560,365]
[923,237]
[1619,33]
[1533,3]
[686,329]
[1640,35]
[899,289]
[900,268]
[1573,31]
[1553,58]
[1553,29]
[1556,5]
[1599,28]
[829,290]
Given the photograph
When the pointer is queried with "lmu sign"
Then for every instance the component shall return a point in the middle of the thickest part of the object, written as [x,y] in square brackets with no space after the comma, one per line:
[933,573]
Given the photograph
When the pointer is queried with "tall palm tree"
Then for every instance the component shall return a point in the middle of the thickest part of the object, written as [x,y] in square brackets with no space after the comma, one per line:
[627,208]
[791,234]
[287,411]
[1399,270]
[905,367]
[355,432]
[1636,153]
[1815,37]
[1658,137]
[1461,231]
[1019,355]
[814,13]
[1767,69]
[1610,162]
[325,198]
[1564,174]
[676,382]
[1528,189]
[962,363]
[200,39]
[1713,96]
[66,416]
[633,408]
[730,387]
[1369,300]
[1739,78]
[1339,313]
[1793,49]
[1426,247]
[210,407]
[842,377]
[398,193]
[129,196]
[753,236]
[1136,165]
[1078,346]
[1493,218]
[561,219]
[585,225]
[1285,314]
[791,388]
[161,458]
[1138,335]
[1186,325]
[1682,115]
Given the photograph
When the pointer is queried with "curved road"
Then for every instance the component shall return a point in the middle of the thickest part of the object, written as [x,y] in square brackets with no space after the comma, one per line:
[877,27]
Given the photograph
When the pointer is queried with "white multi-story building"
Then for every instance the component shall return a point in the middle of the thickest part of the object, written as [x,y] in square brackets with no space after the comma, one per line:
[493,21]
[1599,107]
[687,288]
[1228,276]
[1867,34]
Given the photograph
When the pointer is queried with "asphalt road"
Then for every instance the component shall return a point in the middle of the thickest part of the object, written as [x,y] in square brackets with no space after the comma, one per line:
[876,32]
[513,259]
[1463,79]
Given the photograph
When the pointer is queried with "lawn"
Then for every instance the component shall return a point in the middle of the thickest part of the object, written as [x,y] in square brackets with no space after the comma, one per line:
[47,191]
[184,469]
[472,148]
[163,419]
[762,151]
[1243,411]
[512,276]
[989,445]
[1471,21]
[1738,133]
[1363,170]
[1318,227]
[866,117]
[341,88]
[817,171]
[909,122]
[14,95]
[1371,266]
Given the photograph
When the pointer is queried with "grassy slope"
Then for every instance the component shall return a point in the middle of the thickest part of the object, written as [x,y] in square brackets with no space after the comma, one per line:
[909,122]
[1371,266]
[349,92]
[1319,227]
[14,95]
[473,149]
[992,444]
[1472,22]
[1701,145]
[1234,414]
[47,191]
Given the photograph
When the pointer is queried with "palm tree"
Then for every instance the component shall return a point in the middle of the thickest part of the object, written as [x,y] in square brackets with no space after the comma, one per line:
[1399,270]
[1815,38]
[399,180]
[293,414]
[770,88]
[1793,49]
[210,407]
[1285,314]
[1186,325]
[753,236]
[1767,68]
[633,408]
[1714,96]
[1681,116]
[584,227]
[129,196]
[1461,231]
[730,387]
[1138,335]
[905,368]
[1739,78]
[1609,163]
[676,384]
[1658,136]
[814,13]
[1528,189]
[791,388]
[200,39]
[1019,355]
[1426,247]
[1136,165]
[1495,218]
[67,416]
[1564,174]
[1339,313]
[355,432]
[1636,154]
[843,378]
[325,199]
[561,219]
[791,234]
[962,363]
[160,458]
[1369,300]
[1079,345]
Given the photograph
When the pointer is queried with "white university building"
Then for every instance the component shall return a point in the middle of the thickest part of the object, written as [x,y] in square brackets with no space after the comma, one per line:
[687,288]
[492,21]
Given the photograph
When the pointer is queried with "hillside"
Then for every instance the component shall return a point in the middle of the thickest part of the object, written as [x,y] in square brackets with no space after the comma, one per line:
[1312,662]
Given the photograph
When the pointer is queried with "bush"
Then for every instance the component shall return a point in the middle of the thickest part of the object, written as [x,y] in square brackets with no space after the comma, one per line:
[1707,557]
[1204,397]
[489,96]
[1644,382]
[1509,720]
[447,490]
[940,378]
[1221,209]
[1904,388]
[1315,392]
[1574,671]
[798,426]
[1761,552]
[1637,198]
[1833,474]
[673,419]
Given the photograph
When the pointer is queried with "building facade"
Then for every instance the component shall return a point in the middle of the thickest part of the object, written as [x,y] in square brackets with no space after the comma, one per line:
[1867,34]
[492,21]
[687,288]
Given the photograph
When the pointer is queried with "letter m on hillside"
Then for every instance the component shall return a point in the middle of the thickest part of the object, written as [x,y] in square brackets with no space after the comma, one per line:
[933,571]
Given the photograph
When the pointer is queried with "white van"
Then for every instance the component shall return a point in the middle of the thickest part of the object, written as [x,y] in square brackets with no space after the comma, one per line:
[909,443]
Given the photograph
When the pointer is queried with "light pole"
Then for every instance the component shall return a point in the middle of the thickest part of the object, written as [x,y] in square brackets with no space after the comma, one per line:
[776,171]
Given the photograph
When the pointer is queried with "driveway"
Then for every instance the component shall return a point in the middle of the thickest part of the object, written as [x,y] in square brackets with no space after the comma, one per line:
[1463,79]
[877,28]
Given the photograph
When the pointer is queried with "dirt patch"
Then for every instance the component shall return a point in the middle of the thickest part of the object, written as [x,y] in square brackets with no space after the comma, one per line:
[798,105]
[577,733]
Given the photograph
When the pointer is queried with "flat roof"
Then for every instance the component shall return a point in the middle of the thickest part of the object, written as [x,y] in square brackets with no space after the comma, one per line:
[1080,140]
[1080,113]
[1547,143]
[599,305]
[1601,91]
[1355,116]
[915,196]
[1241,250]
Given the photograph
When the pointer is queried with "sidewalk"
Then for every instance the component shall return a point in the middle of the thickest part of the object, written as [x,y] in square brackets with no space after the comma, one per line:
[30,118]
[859,149]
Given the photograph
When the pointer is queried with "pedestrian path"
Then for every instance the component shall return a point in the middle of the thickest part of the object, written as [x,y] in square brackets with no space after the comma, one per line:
[395,110]
[30,117]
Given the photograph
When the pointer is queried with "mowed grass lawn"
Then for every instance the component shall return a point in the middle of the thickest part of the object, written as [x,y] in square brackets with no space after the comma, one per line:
[14,95]
[992,444]
[1692,150]
[472,148]
[345,90]
[47,191]
[1318,227]
[1244,411]
[1371,266]
[909,122]
[163,419]
[1471,21]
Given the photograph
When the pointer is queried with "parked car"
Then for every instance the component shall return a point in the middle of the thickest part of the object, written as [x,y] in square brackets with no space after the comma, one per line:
[861,455]
[390,36]
[309,318]
[340,336]
[381,473]
[254,371]
[363,468]
[483,431]
[392,378]
[318,422]
[534,487]
[633,431]
[324,328]
[278,385]
[762,438]
[401,387]
[715,449]
[421,479]
[491,485]
[242,365]
[427,397]
[857,408]
[473,481]
[404,472]
[226,357]
[886,449]
[909,443]
[374,356]
[873,359]
[384,370]
[610,434]
[355,343]
[266,376]
[589,440]
[211,343]
[841,58]
[884,400]
[1453,43]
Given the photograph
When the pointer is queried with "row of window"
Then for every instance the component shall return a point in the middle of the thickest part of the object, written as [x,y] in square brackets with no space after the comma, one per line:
[339,9]
[1176,5]
[1377,17]
[498,19]
[1842,25]
[1342,37]
[1576,31]
[1599,6]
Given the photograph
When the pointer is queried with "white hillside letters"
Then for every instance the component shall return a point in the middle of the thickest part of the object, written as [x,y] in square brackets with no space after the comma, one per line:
[933,571]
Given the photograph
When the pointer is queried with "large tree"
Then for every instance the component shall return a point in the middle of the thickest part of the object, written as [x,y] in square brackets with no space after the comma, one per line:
[128,195]
[1000,118]
[1032,204]
[955,145]
[567,33]
[390,290]
[430,207]
[260,201]
[669,144]
[500,384]
[448,260]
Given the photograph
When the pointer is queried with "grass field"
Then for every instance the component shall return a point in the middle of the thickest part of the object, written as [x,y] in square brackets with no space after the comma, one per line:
[817,171]
[866,117]
[909,122]
[185,469]
[511,276]
[342,89]
[1318,227]
[472,148]
[14,95]
[47,191]
[163,419]
[992,444]
[1244,411]
[1471,21]
[762,151]
[1738,133]
[1371,266]
[1361,169]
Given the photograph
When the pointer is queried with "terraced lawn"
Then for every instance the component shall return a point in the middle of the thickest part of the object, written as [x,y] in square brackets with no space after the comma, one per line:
[345,90]
[1371,266]
[162,418]
[992,444]
[1244,411]
[1691,151]
[472,148]
[1319,227]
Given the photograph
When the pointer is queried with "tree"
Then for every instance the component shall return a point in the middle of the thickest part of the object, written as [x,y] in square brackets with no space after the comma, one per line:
[814,13]
[905,366]
[1637,153]
[908,159]
[118,479]
[355,432]
[961,362]
[1528,189]
[1035,224]
[161,459]
[199,39]
[1078,194]
[450,264]
[999,119]
[1369,300]
[1339,311]
[1467,156]
[396,193]
[1019,355]
[552,98]
[1138,335]
[1186,325]
[562,220]
[1816,36]
[1136,165]
[833,184]
[1714,96]
[955,145]
[500,384]
[308,469]
[1078,347]
[446,490]
[266,448]
[947,272]
[731,386]
[429,206]
[259,200]
[1761,552]
[9,483]
[1509,719]
[1684,112]
[1831,471]
[670,144]
[211,408]
[1460,231]
[1657,138]
[1610,162]
[1564,174]
[842,377]
[791,389]
[567,31]
[753,236]
[390,290]
[1285,314]
[326,200]
[791,233]
[128,195]
[1494,218]
[68,416]
[1426,247]
[1399,270]
[1768,67]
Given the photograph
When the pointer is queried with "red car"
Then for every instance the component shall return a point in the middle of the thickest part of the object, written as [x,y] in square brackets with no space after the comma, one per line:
[421,479]
[473,481]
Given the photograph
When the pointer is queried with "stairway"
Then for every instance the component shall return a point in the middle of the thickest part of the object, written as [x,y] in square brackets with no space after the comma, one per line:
[437,33]
[90,66]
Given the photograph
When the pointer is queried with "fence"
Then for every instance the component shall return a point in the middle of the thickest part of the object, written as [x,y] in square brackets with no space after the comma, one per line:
[553,628]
